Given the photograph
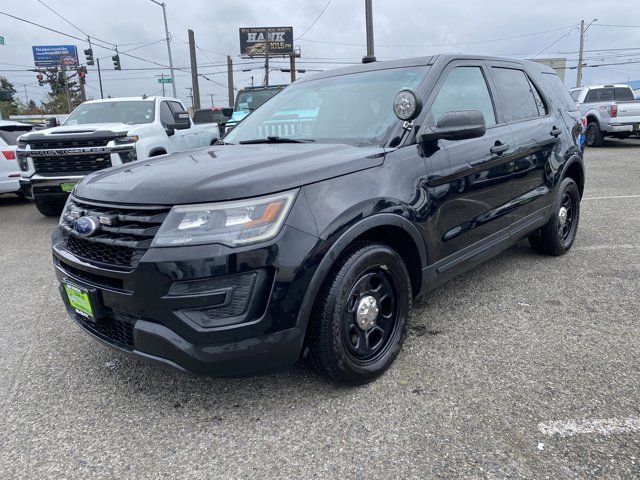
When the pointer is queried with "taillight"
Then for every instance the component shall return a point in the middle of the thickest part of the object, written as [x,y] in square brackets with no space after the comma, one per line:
[613,111]
[9,154]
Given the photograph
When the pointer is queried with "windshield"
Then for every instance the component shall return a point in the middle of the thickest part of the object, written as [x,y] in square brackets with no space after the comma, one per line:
[131,112]
[356,109]
[250,100]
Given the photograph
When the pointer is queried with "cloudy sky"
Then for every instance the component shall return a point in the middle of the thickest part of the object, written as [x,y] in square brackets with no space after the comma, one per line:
[403,28]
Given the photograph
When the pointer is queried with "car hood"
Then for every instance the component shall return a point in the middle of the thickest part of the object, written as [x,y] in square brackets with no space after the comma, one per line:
[83,129]
[225,172]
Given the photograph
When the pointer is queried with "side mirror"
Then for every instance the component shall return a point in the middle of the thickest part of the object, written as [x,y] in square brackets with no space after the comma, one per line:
[51,122]
[459,125]
[181,121]
[227,112]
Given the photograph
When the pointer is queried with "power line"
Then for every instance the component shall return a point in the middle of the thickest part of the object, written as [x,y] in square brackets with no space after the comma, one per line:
[56,13]
[552,44]
[314,22]
[439,44]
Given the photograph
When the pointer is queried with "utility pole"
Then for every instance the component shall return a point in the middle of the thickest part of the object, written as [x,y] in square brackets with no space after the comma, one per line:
[211,95]
[583,30]
[191,96]
[580,55]
[83,93]
[26,95]
[230,79]
[292,65]
[368,12]
[266,58]
[166,31]
[162,82]
[194,70]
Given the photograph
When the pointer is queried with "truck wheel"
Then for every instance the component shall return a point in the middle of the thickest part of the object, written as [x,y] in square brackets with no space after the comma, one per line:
[594,135]
[49,209]
[360,319]
[558,235]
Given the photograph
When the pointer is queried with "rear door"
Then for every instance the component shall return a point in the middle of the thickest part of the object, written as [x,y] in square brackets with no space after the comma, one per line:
[478,182]
[537,135]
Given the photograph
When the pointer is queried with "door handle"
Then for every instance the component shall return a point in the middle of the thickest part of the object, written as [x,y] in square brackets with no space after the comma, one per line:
[555,131]
[499,148]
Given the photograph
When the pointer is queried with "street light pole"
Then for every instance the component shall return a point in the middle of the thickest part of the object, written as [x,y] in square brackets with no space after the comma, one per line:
[166,30]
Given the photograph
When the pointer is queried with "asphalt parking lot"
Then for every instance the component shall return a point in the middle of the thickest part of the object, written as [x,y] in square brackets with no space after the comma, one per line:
[527,366]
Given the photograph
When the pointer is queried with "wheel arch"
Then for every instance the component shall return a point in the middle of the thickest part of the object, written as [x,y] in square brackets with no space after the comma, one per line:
[390,229]
[574,169]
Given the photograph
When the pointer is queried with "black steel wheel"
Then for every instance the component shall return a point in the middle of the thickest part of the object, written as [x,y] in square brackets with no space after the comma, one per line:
[558,235]
[594,137]
[359,321]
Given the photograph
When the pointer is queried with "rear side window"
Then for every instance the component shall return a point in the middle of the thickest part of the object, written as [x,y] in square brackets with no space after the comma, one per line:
[599,95]
[464,89]
[519,96]
[555,86]
[623,94]
[166,117]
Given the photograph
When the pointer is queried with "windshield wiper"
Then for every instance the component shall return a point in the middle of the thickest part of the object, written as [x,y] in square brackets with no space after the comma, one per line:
[276,140]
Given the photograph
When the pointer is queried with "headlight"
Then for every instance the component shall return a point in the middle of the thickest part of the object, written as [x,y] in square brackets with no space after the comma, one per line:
[127,139]
[233,223]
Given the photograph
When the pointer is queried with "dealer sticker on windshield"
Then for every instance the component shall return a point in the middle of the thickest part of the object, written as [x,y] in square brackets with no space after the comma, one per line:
[67,187]
[79,300]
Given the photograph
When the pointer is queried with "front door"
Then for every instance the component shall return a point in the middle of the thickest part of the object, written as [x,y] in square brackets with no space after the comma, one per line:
[473,192]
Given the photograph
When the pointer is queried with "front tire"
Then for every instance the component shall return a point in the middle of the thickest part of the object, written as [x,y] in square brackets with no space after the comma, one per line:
[360,318]
[594,136]
[49,209]
[558,235]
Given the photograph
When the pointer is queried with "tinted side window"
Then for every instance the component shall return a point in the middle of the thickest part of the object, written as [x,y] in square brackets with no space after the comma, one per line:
[599,95]
[519,100]
[623,94]
[176,107]
[166,117]
[555,86]
[464,89]
[575,95]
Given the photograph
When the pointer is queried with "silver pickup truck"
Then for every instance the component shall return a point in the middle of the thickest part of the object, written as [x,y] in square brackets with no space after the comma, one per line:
[610,110]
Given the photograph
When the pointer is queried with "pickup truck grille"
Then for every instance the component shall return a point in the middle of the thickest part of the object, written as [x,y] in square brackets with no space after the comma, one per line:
[79,164]
[121,244]
[66,163]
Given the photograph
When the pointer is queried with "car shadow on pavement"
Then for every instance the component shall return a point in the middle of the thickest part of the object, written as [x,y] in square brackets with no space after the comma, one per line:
[619,143]
[10,199]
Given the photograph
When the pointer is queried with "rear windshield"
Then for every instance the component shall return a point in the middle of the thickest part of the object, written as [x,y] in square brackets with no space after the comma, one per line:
[618,94]
[209,116]
[554,85]
[11,137]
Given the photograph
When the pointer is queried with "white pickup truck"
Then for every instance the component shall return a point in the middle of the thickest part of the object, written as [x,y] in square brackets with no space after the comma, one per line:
[100,134]
[610,110]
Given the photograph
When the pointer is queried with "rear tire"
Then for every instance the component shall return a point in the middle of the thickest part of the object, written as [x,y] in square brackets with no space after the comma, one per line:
[594,136]
[558,235]
[360,318]
[49,209]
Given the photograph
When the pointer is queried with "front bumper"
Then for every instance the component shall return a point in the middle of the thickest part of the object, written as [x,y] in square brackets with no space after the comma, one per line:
[146,315]
[47,188]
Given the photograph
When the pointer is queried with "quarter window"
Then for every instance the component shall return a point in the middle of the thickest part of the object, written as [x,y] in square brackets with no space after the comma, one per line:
[520,99]
[575,95]
[465,88]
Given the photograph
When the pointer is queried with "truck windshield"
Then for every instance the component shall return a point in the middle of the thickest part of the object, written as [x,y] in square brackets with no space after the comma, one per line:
[131,112]
[356,109]
[248,101]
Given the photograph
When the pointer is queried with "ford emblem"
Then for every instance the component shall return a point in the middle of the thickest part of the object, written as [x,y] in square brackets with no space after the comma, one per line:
[86,226]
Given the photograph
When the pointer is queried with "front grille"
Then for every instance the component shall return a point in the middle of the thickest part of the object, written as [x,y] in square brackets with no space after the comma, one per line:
[75,143]
[116,329]
[91,278]
[121,244]
[77,164]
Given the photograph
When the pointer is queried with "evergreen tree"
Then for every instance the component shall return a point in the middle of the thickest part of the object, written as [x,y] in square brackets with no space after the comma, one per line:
[57,97]
[11,106]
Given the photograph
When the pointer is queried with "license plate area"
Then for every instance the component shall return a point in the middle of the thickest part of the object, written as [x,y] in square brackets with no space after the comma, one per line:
[84,301]
[67,187]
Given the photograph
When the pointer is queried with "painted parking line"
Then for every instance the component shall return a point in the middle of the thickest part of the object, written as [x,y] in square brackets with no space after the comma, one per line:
[606,426]
[624,246]
[613,197]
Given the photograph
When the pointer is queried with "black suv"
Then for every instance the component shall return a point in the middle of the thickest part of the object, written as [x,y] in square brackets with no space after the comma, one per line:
[311,229]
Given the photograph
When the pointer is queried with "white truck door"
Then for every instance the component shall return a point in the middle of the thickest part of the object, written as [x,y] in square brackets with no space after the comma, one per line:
[188,138]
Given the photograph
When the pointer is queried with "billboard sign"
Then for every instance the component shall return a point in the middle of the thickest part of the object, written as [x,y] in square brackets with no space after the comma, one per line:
[55,55]
[253,41]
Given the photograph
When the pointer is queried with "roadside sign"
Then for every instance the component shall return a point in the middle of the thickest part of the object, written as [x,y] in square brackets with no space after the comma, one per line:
[165,80]
[55,55]
[1,40]
[253,41]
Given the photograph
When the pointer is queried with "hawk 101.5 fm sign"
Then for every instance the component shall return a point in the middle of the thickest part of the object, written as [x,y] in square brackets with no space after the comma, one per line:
[254,40]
